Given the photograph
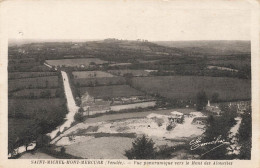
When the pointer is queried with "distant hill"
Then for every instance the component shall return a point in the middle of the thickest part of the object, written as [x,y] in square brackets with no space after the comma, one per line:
[210,47]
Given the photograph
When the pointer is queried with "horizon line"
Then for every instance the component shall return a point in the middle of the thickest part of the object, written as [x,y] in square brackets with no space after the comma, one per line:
[14,40]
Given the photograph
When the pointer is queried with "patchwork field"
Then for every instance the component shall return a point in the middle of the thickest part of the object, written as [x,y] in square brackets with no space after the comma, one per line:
[23,66]
[40,108]
[111,91]
[134,46]
[186,87]
[123,72]
[18,75]
[235,63]
[99,81]
[91,74]
[37,93]
[75,62]
[38,82]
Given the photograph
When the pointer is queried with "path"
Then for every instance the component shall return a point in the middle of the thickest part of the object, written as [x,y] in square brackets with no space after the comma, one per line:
[234,148]
[71,105]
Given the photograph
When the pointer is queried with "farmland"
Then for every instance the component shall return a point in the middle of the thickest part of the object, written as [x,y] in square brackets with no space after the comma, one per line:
[99,81]
[116,85]
[90,74]
[36,93]
[95,78]
[37,82]
[18,75]
[123,72]
[75,62]
[186,87]
[111,91]
[40,108]
[36,103]
[236,63]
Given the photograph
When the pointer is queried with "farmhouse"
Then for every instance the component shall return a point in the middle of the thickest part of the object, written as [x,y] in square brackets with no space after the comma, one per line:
[91,105]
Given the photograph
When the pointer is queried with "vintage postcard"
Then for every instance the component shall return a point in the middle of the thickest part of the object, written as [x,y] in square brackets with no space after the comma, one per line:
[124,83]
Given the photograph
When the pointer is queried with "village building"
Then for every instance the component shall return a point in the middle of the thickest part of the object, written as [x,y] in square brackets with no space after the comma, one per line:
[176,117]
[242,106]
[213,109]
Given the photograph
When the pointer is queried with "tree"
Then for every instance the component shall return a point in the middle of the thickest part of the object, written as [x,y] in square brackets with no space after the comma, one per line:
[43,140]
[245,135]
[201,100]
[218,126]
[128,78]
[78,117]
[215,97]
[81,110]
[45,94]
[62,150]
[31,95]
[202,63]
[92,63]
[46,83]
[58,93]
[143,148]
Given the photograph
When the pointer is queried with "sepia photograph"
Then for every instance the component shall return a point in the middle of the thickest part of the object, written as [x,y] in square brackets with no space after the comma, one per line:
[129,80]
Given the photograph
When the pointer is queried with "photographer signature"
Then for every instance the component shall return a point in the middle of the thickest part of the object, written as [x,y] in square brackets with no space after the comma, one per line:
[196,143]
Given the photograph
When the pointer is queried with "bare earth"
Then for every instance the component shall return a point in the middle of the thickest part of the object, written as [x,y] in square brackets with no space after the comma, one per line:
[99,148]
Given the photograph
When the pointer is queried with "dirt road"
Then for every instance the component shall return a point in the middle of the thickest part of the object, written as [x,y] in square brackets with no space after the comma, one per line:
[71,105]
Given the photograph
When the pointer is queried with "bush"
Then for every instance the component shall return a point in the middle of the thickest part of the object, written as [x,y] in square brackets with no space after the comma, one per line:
[143,148]
[62,150]
[201,100]
[245,135]
[169,127]
[78,117]
[165,152]
[218,127]
[215,97]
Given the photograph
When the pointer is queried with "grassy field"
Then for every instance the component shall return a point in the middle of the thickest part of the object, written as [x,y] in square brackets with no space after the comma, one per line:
[18,75]
[90,74]
[99,81]
[122,72]
[35,93]
[36,107]
[23,66]
[186,87]
[111,91]
[236,63]
[75,62]
[38,82]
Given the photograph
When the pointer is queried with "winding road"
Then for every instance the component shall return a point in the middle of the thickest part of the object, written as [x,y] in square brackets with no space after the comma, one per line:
[71,105]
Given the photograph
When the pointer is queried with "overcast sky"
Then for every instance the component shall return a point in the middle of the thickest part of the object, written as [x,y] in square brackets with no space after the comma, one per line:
[151,20]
